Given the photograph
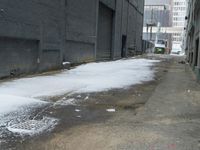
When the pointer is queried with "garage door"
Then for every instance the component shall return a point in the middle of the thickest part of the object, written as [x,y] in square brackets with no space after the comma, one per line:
[104,39]
[17,56]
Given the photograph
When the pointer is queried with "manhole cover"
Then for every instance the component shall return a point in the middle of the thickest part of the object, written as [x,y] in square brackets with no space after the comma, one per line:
[33,126]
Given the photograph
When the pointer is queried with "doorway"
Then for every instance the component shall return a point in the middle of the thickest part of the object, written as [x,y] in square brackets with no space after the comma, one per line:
[196,52]
[123,52]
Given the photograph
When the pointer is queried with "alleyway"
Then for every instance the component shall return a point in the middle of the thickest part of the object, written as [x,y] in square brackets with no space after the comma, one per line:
[163,114]
[100,75]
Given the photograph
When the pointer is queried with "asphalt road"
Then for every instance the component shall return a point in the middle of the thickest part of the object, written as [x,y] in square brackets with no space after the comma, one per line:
[163,114]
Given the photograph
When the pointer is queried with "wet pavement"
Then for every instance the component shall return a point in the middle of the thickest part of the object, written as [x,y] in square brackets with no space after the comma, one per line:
[163,114]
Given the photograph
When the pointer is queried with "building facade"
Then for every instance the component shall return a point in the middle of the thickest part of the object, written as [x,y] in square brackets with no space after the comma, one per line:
[193,35]
[157,12]
[179,13]
[40,35]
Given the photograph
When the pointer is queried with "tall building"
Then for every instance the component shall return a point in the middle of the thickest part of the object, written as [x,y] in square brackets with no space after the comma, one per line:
[157,12]
[179,13]
[171,16]
[38,35]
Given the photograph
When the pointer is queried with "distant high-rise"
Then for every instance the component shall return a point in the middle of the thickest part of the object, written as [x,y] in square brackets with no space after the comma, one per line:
[179,13]
[170,14]
[158,12]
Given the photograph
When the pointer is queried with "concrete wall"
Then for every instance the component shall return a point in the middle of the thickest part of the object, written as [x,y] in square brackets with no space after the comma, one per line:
[39,35]
[80,30]
[37,23]
[17,55]
[132,25]
[193,36]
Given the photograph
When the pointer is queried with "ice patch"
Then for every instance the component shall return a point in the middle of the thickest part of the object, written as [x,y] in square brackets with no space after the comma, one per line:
[32,127]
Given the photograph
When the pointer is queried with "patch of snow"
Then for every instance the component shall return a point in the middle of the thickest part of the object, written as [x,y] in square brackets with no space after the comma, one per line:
[10,103]
[87,97]
[110,110]
[79,96]
[77,110]
[92,77]
[66,63]
[22,94]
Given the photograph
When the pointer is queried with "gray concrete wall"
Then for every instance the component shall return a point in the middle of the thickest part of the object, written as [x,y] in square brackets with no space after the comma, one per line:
[192,36]
[18,56]
[196,38]
[117,27]
[80,30]
[192,31]
[33,20]
[43,34]
[135,26]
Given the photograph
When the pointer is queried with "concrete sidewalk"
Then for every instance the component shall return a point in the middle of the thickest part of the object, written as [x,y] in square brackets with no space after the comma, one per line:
[172,113]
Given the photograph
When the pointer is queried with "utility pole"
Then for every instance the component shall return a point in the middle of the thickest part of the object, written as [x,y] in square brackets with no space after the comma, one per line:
[147,31]
[151,24]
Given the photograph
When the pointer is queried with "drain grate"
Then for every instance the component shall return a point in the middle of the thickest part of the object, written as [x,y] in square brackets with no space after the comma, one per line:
[32,126]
